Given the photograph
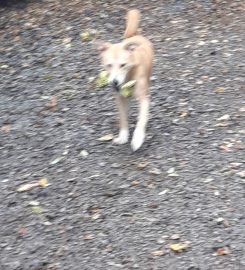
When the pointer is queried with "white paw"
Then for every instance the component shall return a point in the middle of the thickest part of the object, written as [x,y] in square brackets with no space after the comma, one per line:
[138,139]
[122,137]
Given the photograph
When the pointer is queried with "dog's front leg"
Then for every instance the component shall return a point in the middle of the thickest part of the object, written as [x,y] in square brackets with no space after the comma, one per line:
[139,132]
[123,120]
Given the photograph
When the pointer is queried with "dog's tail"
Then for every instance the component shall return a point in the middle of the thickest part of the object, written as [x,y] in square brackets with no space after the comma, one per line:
[132,23]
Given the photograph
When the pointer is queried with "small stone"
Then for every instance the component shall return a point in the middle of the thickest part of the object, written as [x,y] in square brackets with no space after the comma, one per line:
[217,193]
[220,220]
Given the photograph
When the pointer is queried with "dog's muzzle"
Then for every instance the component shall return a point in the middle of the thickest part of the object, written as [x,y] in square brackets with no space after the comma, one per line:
[115,85]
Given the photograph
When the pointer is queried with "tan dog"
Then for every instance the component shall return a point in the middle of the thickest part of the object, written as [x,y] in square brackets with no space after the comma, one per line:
[126,61]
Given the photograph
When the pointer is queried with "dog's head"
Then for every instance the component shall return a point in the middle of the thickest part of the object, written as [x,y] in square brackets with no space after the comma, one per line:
[118,60]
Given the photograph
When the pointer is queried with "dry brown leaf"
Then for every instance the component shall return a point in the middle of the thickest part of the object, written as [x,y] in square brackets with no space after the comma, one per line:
[52,103]
[22,230]
[223,251]
[135,183]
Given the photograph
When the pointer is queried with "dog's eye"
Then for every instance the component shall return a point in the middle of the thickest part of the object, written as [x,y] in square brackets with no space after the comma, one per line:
[108,66]
[123,65]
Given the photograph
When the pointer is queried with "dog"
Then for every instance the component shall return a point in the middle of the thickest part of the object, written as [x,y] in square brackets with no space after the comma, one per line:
[130,60]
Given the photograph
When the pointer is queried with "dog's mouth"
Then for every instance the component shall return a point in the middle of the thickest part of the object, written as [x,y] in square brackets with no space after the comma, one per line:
[116,87]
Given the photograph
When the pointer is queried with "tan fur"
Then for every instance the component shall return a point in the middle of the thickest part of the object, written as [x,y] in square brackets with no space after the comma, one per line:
[125,61]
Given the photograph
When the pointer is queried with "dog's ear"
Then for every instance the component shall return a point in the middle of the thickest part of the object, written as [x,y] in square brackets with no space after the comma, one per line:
[131,46]
[101,46]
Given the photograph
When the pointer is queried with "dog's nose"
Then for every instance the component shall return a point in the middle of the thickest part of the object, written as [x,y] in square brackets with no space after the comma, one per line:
[115,83]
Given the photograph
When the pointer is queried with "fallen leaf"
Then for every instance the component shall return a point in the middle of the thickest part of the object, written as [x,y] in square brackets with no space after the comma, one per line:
[57,160]
[155,171]
[33,203]
[222,124]
[106,138]
[220,90]
[224,117]
[43,182]
[52,103]
[226,147]
[241,174]
[6,128]
[26,187]
[85,36]
[135,183]
[142,165]
[37,209]
[4,66]
[22,230]
[223,251]
[67,40]
[163,192]
[88,237]
[48,77]
[84,153]
[172,172]
[179,247]
[96,216]
[184,114]
[242,109]
[89,35]
[157,253]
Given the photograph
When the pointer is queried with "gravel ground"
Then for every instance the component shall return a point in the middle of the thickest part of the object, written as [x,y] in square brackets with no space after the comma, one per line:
[105,207]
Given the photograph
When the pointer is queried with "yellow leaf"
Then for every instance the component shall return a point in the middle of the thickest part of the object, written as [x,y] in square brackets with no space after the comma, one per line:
[126,89]
[106,138]
[184,114]
[43,182]
[85,36]
[37,209]
[179,247]
[89,35]
[102,79]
